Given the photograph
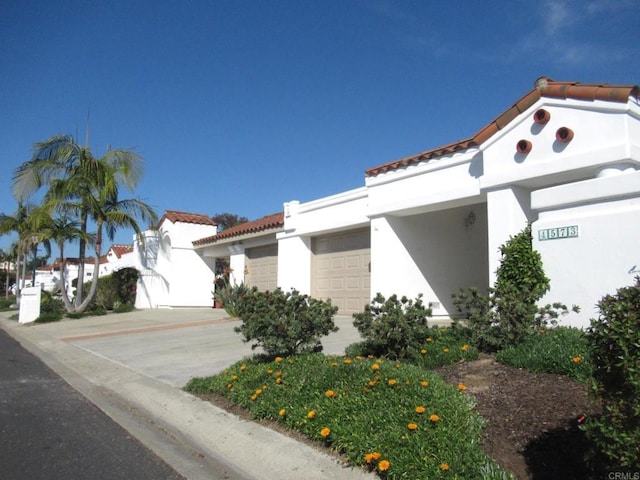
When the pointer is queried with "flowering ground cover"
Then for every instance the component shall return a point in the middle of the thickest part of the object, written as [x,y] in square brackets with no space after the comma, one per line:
[397,419]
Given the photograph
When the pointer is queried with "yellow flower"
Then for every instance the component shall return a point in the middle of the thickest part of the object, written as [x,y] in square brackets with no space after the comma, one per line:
[412,426]
[279,380]
[259,391]
[229,386]
[444,466]
[384,465]
[392,381]
[424,383]
[243,368]
[253,397]
[278,359]
[282,412]
[420,409]
[358,357]
[445,350]
[464,347]
[429,339]
[234,377]
[375,366]
[311,414]
[330,394]
[347,361]
[434,418]
[372,383]
[397,365]
[577,359]
[269,371]
[325,432]
[334,364]
[423,351]
[462,387]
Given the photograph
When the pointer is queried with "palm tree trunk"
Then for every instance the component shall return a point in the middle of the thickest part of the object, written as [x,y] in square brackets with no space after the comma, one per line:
[63,284]
[96,271]
[81,259]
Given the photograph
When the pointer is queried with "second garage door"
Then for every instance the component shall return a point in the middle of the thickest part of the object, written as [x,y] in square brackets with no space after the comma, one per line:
[341,269]
[262,267]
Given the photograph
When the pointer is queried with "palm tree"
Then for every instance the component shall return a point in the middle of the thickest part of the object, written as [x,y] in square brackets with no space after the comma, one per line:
[86,188]
[21,224]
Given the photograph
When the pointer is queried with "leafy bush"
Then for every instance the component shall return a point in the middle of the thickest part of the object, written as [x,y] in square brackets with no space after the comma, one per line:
[123,308]
[391,417]
[509,313]
[615,338]
[284,323]
[113,290]
[560,350]
[6,303]
[51,304]
[393,327]
[47,317]
[230,297]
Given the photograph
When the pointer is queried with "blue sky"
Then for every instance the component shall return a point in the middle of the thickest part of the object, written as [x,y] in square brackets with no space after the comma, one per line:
[238,106]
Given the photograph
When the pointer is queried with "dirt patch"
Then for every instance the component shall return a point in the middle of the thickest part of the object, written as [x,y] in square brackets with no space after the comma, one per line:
[532,418]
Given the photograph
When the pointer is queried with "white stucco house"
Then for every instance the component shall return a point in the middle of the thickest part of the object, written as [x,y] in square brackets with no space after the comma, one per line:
[171,272]
[565,158]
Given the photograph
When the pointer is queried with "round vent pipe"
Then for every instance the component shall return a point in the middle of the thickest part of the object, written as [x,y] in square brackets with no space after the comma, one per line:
[541,116]
[564,135]
[524,146]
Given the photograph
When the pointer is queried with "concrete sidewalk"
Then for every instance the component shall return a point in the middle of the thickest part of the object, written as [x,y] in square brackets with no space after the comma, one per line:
[133,366]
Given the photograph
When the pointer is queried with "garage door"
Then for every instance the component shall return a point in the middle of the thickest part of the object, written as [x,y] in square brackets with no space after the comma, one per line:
[341,269]
[262,267]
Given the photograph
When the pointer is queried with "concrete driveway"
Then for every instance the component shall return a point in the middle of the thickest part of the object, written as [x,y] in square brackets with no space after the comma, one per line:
[133,366]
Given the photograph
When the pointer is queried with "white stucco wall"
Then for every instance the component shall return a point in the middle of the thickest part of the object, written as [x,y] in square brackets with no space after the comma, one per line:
[604,255]
[434,254]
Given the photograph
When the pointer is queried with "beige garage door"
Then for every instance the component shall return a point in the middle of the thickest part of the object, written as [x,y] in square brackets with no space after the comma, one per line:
[262,267]
[341,269]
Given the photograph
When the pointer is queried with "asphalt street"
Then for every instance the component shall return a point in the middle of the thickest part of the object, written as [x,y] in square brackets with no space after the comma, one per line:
[49,431]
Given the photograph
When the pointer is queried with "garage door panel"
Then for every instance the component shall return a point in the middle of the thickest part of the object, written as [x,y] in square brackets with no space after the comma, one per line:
[262,267]
[342,269]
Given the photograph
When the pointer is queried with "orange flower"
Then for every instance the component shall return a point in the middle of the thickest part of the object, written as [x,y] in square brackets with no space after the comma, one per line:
[278,359]
[311,414]
[375,366]
[423,351]
[412,426]
[376,455]
[259,391]
[282,412]
[464,347]
[253,397]
[462,387]
[444,466]
[330,394]
[424,383]
[420,409]
[577,360]
[434,418]
[372,383]
[392,381]
[325,432]
[384,465]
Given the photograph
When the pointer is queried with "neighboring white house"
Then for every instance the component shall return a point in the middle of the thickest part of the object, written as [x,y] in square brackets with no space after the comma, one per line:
[171,272]
[565,158]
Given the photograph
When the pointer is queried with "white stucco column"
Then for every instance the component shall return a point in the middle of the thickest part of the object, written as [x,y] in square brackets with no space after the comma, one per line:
[508,212]
[237,262]
[294,264]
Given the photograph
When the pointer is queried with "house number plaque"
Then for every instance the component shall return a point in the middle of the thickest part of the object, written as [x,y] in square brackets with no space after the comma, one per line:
[558,233]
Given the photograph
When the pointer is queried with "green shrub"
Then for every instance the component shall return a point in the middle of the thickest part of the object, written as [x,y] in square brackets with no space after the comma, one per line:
[230,296]
[284,323]
[47,317]
[615,339]
[509,313]
[123,308]
[560,350]
[393,327]
[6,303]
[51,304]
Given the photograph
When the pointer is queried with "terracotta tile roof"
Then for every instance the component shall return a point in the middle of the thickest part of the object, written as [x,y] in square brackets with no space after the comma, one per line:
[268,222]
[120,250]
[184,217]
[544,87]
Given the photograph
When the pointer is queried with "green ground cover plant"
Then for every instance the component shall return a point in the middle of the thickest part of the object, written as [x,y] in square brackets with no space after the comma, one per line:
[394,418]
[560,350]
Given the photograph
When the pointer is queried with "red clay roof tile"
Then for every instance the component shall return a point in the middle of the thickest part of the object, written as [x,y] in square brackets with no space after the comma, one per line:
[120,250]
[184,217]
[544,87]
[267,222]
